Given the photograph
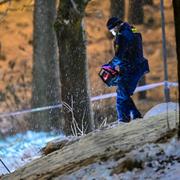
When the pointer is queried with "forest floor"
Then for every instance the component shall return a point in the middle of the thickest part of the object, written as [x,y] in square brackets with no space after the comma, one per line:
[143,149]
[152,161]
[16,29]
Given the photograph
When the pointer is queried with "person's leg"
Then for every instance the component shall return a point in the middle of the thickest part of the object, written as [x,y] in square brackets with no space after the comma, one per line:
[133,109]
[122,105]
[123,114]
[133,81]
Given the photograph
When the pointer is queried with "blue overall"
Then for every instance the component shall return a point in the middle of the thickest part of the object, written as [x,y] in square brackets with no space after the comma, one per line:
[132,66]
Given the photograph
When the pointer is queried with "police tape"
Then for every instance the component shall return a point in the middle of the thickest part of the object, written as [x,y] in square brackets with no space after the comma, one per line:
[96,98]
[30,110]
[138,89]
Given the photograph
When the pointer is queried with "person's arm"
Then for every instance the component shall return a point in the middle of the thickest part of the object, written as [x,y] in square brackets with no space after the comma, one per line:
[120,47]
[114,62]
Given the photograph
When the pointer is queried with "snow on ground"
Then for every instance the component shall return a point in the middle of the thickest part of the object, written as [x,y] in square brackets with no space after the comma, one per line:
[160,161]
[156,161]
[162,108]
[17,150]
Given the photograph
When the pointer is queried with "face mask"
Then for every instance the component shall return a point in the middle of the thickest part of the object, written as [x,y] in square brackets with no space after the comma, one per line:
[113,32]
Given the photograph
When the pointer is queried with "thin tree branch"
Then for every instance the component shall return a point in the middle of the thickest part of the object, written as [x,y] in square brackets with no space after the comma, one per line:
[74,6]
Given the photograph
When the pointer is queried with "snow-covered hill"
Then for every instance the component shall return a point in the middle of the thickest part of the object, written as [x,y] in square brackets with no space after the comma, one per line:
[142,149]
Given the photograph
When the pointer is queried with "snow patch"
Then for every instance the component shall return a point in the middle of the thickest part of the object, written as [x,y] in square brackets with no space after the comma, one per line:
[162,108]
[159,161]
[18,150]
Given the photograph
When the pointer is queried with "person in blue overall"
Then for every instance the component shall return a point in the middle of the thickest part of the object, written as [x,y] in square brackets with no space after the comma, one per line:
[130,63]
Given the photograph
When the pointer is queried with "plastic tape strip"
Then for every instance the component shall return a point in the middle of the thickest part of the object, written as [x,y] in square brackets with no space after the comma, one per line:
[100,97]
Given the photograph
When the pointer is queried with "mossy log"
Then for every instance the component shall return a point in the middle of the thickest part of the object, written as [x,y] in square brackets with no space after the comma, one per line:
[97,146]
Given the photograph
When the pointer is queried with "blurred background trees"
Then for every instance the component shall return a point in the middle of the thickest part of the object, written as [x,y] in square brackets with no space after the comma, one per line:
[73,62]
[148,2]
[134,6]
[45,82]
[135,12]
[137,18]
[118,8]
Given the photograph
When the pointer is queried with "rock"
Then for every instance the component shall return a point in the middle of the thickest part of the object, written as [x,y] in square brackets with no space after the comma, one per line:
[58,144]
[162,108]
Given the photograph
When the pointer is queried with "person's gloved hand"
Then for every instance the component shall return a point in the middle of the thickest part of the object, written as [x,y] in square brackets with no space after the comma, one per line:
[110,69]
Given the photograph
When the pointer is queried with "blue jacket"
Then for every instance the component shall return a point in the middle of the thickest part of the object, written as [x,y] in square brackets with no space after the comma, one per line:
[129,54]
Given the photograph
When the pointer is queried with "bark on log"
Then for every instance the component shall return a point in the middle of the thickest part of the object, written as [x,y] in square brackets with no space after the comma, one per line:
[97,146]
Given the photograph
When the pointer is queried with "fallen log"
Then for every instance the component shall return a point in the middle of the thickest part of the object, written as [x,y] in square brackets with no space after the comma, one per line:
[102,145]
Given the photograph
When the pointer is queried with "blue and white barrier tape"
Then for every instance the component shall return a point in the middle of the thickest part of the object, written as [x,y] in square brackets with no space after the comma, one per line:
[30,110]
[138,89]
[100,97]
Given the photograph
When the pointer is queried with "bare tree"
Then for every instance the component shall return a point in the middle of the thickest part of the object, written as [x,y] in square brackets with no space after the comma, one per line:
[136,14]
[148,2]
[176,6]
[73,65]
[45,84]
[118,8]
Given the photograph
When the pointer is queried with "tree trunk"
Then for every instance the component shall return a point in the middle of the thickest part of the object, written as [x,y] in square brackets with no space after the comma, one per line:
[142,82]
[118,9]
[176,6]
[46,83]
[109,144]
[73,67]
[136,14]
[148,2]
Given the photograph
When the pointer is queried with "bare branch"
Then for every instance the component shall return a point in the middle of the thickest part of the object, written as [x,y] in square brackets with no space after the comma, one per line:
[75,6]
[104,123]
[76,130]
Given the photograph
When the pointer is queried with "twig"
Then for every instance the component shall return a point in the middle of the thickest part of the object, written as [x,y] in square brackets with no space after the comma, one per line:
[103,123]
[74,6]
[72,129]
[5,166]
[76,130]
[73,118]
[73,126]
[82,122]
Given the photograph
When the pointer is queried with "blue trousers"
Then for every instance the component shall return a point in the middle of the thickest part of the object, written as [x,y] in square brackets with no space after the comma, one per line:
[126,109]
